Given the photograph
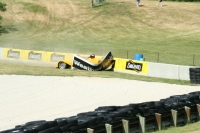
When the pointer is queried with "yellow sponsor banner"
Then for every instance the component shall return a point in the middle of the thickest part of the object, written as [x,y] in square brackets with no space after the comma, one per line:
[56,56]
[9,53]
[131,65]
[35,55]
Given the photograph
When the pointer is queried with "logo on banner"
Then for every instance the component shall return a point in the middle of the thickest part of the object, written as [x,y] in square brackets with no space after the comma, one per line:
[130,65]
[56,57]
[13,54]
[81,65]
[34,56]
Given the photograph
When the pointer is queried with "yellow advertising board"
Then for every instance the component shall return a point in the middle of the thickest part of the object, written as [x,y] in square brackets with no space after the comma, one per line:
[9,53]
[131,65]
[56,56]
[35,55]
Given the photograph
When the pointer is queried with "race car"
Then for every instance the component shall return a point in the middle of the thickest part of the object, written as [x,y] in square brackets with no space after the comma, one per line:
[90,63]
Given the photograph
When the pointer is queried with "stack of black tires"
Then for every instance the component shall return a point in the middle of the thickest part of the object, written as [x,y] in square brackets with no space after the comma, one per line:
[194,75]
[113,115]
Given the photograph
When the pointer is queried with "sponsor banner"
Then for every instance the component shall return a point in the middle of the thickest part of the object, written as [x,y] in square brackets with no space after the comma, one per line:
[83,64]
[13,54]
[131,65]
[34,55]
[1,53]
[55,56]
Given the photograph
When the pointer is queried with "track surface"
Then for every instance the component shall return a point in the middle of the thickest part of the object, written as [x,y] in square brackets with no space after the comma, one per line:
[28,98]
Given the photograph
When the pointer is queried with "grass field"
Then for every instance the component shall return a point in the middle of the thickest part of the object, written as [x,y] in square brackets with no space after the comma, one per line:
[170,34]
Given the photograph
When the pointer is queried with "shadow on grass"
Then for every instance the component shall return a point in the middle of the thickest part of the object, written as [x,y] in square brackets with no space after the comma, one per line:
[99,5]
[7,29]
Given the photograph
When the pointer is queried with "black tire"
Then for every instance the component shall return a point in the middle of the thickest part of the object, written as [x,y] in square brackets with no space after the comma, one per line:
[197,70]
[197,75]
[192,81]
[55,129]
[34,122]
[74,128]
[42,127]
[150,105]
[72,121]
[194,69]
[83,124]
[52,123]
[61,122]
[65,128]
[46,131]
[134,105]
[87,114]
[192,73]
[100,119]
[120,113]
[192,77]
[62,65]
[159,105]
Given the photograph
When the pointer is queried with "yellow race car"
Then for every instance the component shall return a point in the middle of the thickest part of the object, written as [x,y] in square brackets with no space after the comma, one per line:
[90,63]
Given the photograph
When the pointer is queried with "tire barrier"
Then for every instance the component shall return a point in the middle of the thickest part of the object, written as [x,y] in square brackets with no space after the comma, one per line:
[194,75]
[176,110]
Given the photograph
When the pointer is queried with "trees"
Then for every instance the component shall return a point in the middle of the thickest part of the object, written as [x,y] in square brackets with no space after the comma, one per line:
[2,8]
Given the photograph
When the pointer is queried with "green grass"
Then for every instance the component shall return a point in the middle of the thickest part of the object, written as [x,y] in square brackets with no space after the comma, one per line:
[35,8]
[38,68]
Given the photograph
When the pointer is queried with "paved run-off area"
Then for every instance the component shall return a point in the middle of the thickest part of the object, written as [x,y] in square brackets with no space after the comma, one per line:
[29,98]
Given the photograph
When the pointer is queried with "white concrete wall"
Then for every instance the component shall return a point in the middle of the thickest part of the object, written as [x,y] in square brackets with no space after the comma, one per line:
[169,71]
[1,53]
[161,70]
[184,72]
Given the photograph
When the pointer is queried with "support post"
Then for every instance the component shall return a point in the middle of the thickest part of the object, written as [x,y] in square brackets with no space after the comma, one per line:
[89,130]
[158,57]
[92,3]
[193,58]
[187,110]
[174,116]
[125,125]
[142,123]
[198,109]
[108,128]
[158,120]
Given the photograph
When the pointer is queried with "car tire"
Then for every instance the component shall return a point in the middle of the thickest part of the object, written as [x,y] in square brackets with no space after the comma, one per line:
[62,65]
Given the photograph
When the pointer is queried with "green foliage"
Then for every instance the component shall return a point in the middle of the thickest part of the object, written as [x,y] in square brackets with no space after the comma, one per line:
[2,7]
[31,7]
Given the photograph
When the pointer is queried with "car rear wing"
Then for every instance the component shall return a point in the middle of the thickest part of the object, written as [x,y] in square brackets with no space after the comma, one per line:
[83,64]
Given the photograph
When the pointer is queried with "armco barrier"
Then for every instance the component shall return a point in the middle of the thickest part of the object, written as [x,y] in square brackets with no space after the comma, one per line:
[167,71]
[184,72]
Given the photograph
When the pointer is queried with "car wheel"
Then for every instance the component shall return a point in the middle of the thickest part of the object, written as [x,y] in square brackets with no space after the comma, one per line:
[62,65]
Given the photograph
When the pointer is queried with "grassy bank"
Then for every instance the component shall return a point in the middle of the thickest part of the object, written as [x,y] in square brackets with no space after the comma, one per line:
[169,34]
